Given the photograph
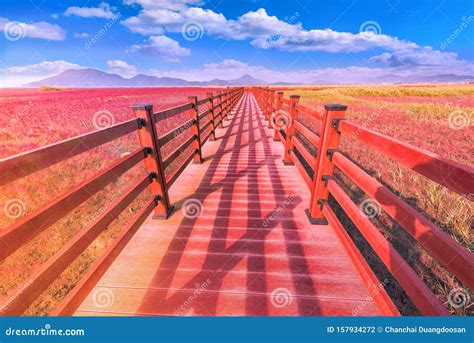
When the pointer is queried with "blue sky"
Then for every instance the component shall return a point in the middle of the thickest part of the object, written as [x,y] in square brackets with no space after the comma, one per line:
[300,40]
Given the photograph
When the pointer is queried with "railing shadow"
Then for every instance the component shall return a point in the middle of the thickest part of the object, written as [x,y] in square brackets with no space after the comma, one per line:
[225,255]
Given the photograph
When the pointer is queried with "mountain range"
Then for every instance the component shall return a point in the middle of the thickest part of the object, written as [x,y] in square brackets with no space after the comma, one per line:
[90,78]
[95,78]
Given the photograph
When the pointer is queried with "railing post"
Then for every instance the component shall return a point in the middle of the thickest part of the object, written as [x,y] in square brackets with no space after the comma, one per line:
[224,105]
[270,108]
[210,95]
[276,128]
[290,131]
[265,102]
[219,103]
[194,114]
[153,161]
[227,102]
[231,101]
[329,141]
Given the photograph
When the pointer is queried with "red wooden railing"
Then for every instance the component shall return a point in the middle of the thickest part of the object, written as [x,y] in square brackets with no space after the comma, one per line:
[317,170]
[217,107]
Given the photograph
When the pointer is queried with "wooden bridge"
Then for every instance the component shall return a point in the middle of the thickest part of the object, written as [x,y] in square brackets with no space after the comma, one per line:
[248,228]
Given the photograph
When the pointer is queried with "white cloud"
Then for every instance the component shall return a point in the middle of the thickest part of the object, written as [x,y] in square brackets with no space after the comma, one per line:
[265,31]
[332,41]
[41,30]
[122,68]
[423,56]
[104,10]
[167,48]
[18,75]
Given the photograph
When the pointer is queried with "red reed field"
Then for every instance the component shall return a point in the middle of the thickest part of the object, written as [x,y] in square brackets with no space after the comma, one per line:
[31,118]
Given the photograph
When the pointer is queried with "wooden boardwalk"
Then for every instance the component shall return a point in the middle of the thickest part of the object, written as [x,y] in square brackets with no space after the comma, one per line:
[238,243]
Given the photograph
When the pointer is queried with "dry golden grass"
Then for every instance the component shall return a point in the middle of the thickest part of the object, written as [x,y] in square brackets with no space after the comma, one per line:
[419,115]
[53,89]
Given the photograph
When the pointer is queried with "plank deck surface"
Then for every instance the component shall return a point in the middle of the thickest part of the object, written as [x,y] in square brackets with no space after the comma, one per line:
[249,250]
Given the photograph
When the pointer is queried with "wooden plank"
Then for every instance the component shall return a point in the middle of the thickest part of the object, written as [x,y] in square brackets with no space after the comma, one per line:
[310,159]
[312,137]
[170,112]
[207,137]
[202,101]
[301,169]
[167,137]
[178,172]
[204,114]
[178,151]
[205,126]
[309,112]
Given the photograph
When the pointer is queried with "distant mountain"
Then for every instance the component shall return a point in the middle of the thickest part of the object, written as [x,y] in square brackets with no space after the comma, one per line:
[142,80]
[215,82]
[95,78]
[281,83]
[91,78]
[81,78]
[246,80]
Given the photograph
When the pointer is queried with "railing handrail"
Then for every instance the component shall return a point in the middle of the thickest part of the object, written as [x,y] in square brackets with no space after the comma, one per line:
[422,161]
[22,164]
